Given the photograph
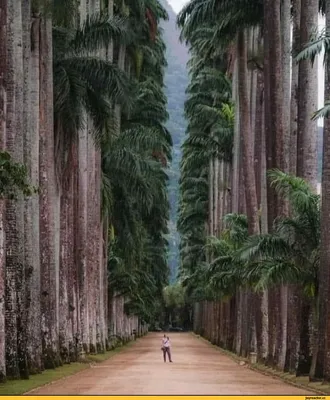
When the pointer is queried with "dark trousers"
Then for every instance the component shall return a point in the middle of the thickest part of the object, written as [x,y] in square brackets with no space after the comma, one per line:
[167,351]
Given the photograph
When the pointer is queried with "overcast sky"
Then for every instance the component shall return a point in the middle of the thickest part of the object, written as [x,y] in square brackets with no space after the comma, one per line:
[177,4]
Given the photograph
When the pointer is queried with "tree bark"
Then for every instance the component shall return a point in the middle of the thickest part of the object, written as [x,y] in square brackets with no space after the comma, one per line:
[15,285]
[245,135]
[3,116]
[31,160]
[294,291]
[307,142]
[296,11]
[322,369]
[307,100]
[48,201]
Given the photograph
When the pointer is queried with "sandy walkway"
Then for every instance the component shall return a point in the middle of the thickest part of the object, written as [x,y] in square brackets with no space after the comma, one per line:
[197,368]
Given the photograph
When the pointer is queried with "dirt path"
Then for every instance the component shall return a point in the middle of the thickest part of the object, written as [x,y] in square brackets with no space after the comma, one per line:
[197,368]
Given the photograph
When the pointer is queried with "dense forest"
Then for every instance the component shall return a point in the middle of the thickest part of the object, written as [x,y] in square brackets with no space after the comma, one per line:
[84,153]
[254,251]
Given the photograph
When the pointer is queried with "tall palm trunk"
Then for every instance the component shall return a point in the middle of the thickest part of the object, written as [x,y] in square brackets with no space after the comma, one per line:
[111,301]
[279,57]
[296,11]
[92,265]
[211,197]
[249,175]
[15,277]
[271,146]
[48,202]
[217,193]
[322,368]
[307,147]
[3,116]
[20,91]
[236,145]
[260,173]
[236,196]
[11,224]
[294,295]
[101,276]
[245,135]
[121,64]
[307,100]
[64,288]
[82,233]
[31,160]
[82,184]
[95,185]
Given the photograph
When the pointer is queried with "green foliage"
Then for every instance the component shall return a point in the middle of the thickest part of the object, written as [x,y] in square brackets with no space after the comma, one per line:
[134,162]
[13,178]
[290,255]
[85,84]
[174,296]
[225,17]
[210,115]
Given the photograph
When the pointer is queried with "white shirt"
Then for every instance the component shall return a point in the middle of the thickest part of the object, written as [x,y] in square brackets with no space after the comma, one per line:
[166,342]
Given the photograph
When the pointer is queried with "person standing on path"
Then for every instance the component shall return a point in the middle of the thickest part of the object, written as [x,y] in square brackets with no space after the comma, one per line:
[166,347]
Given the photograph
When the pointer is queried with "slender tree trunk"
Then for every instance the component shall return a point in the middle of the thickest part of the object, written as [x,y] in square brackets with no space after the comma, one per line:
[11,224]
[296,11]
[211,198]
[235,190]
[65,250]
[236,145]
[285,29]
[294,291]
[121,64]
[249,175]
[307,144]
[260,173]
[279,58]
[31,160]
[216,165]
[322,369]
[72,284]
[245,133]
[99,295]
[2,287]
[15,277]
[307,101]
[264,227]
[92,266]
[82,232]
[19,144]
[75,277]
[3,116]
[48,199]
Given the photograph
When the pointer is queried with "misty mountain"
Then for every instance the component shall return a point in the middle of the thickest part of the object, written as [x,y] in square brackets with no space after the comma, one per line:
[176,81]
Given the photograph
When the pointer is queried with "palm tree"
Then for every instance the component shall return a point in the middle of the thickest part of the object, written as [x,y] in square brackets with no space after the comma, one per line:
[100,82]
[231,16]
[311,50]
[290,255]
[134,181]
